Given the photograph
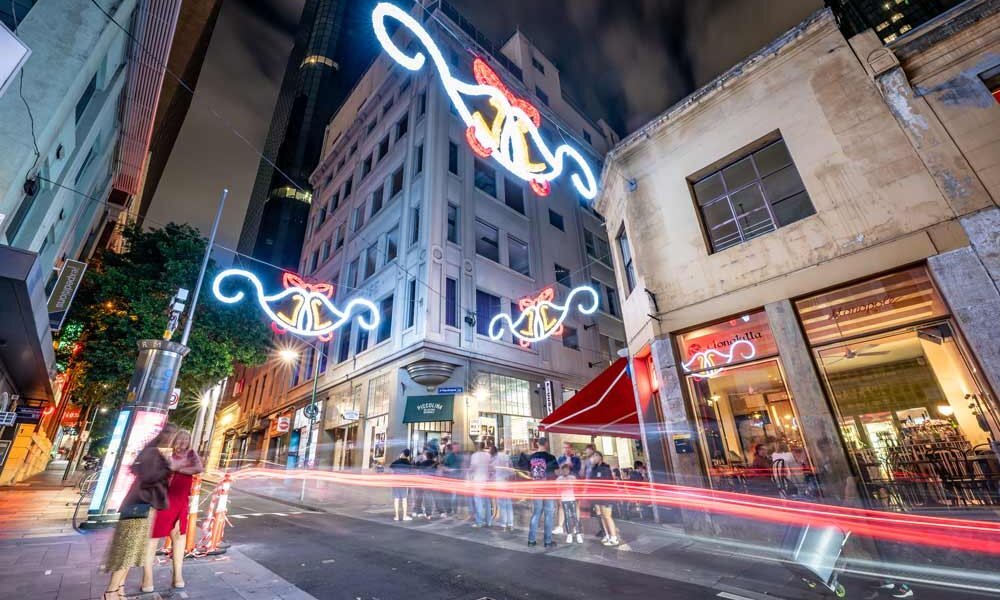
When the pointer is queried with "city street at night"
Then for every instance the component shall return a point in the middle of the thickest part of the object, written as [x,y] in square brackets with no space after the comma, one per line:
[471,300]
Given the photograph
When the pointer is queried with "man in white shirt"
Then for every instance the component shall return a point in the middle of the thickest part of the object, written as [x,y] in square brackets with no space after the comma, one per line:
[479,472]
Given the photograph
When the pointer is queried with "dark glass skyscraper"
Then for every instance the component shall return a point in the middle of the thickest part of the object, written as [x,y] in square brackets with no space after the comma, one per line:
[890,19]
[333,48]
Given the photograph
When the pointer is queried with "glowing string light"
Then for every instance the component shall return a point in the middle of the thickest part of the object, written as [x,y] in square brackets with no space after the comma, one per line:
[516,122]
[301,308]
[706,359]
[542,318]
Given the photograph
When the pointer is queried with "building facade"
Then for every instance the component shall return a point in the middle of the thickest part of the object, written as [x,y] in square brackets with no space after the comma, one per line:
[74,129]
[405,214]
[807,253]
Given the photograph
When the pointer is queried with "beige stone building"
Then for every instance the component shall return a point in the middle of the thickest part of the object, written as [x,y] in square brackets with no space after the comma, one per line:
[808,250]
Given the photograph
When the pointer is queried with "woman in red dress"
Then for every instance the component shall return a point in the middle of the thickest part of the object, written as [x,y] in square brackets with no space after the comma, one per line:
[172,522]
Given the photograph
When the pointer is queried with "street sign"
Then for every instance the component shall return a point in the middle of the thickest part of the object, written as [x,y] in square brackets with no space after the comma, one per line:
[282,424]
[71,416]
[549,403]
[474,428]
[29,414]
[64,291]
[350,415]
[450,390]
[175,398]
[7,418]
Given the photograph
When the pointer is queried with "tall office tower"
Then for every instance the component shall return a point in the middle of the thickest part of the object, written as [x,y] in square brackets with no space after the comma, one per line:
[889,18]
[333,48]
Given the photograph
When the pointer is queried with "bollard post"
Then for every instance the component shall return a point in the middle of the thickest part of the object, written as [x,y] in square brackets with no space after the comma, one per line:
[192,524]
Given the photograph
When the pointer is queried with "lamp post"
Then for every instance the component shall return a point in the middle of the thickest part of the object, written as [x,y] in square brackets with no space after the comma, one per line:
[311,412]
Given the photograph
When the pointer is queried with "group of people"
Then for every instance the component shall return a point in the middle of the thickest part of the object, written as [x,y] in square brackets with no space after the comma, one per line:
[490,464]
[155,507]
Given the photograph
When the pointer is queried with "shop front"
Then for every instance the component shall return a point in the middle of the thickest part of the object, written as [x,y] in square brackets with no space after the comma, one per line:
[505,413]
[746,418]
[341,424]
[918,423]
[279,440]
[429,419]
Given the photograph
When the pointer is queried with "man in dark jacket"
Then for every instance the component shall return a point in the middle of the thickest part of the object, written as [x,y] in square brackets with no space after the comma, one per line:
[542,465]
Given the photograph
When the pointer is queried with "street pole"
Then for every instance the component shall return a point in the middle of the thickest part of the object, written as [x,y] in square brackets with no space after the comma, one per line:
[311,414]
[200,419]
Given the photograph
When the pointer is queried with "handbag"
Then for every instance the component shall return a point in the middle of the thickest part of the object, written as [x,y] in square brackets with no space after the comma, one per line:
[139,510]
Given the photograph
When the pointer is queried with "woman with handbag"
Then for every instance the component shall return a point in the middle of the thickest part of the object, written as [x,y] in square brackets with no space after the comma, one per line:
[148,493]
[173,521]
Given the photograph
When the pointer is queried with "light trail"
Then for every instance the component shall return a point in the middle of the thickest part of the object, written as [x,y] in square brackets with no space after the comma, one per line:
[941,532]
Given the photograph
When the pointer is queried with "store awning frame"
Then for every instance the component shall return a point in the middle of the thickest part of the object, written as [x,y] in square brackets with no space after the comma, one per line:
[605,406]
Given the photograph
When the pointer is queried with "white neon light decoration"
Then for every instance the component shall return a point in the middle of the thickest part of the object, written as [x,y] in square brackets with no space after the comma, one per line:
[542,318]
[516,121]
[706,359]
[311,313]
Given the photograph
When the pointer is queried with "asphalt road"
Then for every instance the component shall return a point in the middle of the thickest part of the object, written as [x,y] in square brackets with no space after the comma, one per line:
[336,557]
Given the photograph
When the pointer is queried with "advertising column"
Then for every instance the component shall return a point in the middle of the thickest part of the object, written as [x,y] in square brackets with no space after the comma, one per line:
[140,420]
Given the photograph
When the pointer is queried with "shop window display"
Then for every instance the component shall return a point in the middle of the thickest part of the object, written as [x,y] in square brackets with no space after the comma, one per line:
[746,417]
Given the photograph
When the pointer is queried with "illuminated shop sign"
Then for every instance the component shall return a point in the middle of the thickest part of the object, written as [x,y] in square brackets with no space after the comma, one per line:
[707,351]
[542,318]
[511,136]
[301,308]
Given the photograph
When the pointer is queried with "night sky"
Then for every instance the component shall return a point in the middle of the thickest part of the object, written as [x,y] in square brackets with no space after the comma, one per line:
[624,61]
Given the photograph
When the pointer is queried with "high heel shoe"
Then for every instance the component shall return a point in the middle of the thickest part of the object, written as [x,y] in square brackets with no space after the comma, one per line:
[114,594]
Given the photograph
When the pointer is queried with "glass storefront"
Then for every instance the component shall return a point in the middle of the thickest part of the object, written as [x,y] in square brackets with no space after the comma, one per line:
[505,412]
[917,422]
[746,418]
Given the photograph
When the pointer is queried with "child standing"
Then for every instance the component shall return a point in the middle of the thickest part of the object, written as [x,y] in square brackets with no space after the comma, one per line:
[568,498]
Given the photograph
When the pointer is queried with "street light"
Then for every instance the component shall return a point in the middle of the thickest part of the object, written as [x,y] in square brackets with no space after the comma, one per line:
[288,355]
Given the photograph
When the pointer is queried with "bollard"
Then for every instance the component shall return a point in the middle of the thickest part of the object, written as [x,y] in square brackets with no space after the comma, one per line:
[214,526]
[192,524]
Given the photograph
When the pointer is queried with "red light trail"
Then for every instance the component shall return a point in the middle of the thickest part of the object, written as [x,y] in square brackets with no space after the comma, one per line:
[941,532]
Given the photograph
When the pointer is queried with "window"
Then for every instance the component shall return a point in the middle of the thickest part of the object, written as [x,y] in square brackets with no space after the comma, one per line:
[563,276]
[348,186]
[325,254]
[513,195]
[451,302]
[371,126]
[537,65]
[379,395]
[542,95]
[556,220]
[383,147]
[353,150]
[362,341]
[405,85]
[515,314]
[402,126]
[587,138]
[626,252]
[614,306]
[88,93]
[411,303]
[324,358]
[396,185]
[371,260]
[385,323]
[487,241]
[517,256]
[422,103]
[507,396]
[570,338]
[341,163]
[752,196]
[414,225]
[334,202]
[359,217]
[418,160]
[322,216]
[352,274]
[315,260]
[487,306]
[485,178]
[453,158]
[376,201]
[344,345]
[387,107]
[452,223]
[341,232]
[991,79]
[366,166]
[596,247]
[392,244]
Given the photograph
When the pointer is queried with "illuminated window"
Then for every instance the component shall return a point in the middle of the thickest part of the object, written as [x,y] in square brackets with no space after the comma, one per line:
[896,17]
[890,38]
[752,196]
[505,395]
[904,29]
[881,25]
[317,59]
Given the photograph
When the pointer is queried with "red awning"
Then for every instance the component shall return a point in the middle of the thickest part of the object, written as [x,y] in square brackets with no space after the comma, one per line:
[605,406]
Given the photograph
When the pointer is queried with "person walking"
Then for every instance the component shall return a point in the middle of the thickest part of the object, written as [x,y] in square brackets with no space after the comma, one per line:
[148,493]
[567,497]
[503,471]
[401,466]
[570,458]
[423,499]
[479,475]
[601,471]
[173,521]
[542,466]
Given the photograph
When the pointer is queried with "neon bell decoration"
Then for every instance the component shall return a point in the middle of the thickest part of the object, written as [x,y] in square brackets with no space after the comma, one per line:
[301,308]
[512,136]
[540,317]
[706,359]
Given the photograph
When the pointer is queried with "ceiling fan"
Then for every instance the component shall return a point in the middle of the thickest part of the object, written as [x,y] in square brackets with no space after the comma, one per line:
[850,353]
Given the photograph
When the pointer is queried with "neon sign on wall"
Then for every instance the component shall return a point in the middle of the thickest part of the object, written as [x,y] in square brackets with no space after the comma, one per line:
[301,308]
[511,134]
[706,360]
[540,317]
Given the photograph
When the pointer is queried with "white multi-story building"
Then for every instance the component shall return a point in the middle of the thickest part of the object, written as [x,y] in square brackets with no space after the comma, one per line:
[406,215]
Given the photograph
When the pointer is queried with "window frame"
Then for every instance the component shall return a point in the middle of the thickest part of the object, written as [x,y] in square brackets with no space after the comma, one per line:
[628,262]
[496,243]
[452,229]
[451,302]
[562,221]
[513,241]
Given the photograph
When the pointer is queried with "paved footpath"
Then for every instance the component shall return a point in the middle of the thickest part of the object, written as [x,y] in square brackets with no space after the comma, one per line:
[43,558]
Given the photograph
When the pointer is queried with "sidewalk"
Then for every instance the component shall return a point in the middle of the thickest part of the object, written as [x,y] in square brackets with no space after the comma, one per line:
[43,558]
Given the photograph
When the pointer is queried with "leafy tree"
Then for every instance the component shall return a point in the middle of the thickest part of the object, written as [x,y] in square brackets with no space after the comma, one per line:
[125,297]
